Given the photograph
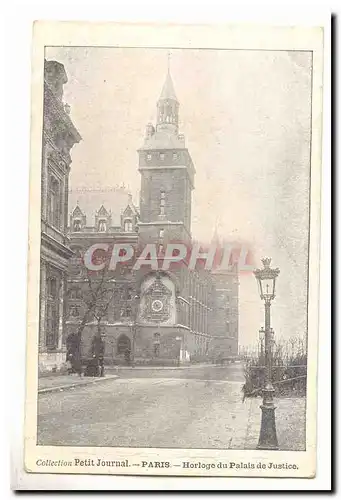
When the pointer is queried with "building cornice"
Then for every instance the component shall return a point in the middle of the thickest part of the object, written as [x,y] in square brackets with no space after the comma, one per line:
[59,110]
[161,223]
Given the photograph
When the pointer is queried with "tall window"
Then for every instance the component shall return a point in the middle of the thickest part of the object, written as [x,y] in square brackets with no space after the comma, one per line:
[128,226]
[76,226]
[75,294]
[54,202]
[102,226]
[52,314]
[161,233]
[162,202]
[52,288]
[126,311]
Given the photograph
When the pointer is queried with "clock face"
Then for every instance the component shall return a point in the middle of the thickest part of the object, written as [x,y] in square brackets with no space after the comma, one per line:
[157,305]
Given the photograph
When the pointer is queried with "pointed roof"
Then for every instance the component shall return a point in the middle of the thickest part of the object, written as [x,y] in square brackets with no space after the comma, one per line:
[130,208]
[168,91]
[77,212]
[103,211]
[113,198]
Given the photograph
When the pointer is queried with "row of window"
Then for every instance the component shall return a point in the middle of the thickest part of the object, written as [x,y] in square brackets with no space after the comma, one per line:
[161,156]
[76,293]
[76,312]
[103,226]
[167,118]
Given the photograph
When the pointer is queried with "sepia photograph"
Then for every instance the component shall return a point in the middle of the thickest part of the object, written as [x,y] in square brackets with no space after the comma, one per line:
[174,257]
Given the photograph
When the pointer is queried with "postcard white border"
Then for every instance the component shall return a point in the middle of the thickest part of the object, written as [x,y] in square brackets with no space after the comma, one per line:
[175,36]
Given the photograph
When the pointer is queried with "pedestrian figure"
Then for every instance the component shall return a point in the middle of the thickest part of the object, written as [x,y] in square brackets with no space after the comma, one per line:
[73,353]
[97,352]
[127,356]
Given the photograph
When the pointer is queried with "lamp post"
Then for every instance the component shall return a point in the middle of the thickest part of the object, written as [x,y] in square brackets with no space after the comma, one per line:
[266,279]
[261,340]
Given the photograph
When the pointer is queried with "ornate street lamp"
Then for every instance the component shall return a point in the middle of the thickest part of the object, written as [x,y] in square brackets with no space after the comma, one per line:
[261,340]
[266,279]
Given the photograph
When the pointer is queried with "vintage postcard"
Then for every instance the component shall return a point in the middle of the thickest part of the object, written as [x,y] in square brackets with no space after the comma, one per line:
[174,250]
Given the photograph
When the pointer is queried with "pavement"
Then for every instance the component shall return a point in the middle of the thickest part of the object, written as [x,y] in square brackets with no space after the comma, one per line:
[198,408]
[55,383]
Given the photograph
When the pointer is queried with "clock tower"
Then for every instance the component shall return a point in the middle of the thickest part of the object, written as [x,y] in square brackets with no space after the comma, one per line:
[167,175]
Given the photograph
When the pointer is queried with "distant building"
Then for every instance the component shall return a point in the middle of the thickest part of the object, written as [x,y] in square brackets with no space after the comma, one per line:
[176,316]
[59,136]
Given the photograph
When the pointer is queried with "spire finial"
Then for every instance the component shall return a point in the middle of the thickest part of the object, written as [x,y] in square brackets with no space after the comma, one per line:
[168,61]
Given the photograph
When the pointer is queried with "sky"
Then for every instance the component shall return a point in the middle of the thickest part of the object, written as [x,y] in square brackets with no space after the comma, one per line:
[246,118]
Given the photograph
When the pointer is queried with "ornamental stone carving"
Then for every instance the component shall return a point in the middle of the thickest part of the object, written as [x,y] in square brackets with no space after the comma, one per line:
[157,302]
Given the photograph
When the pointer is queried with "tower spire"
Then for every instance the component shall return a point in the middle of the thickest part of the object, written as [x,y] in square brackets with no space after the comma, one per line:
[168,104]
[168,91]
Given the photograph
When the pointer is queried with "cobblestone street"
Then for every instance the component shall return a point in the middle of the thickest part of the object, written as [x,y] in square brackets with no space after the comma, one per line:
[200,407]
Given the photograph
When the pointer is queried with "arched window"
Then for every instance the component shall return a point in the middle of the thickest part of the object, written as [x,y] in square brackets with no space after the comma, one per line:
[123,344]
[102,226]
[54,202]
[76,225]
[128,225]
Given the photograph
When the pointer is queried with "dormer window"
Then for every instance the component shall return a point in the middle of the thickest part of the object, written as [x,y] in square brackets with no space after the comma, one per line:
[128,226]
[102,226]
[162,156]
[77,225]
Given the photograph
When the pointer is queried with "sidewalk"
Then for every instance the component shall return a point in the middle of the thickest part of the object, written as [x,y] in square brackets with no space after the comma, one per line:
[55,383]
[290,423]
[192,366]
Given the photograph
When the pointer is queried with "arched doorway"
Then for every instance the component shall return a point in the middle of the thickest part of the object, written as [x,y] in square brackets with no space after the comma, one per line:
[123,344]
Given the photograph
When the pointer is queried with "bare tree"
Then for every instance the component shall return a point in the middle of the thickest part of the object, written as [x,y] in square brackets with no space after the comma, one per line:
[97,300]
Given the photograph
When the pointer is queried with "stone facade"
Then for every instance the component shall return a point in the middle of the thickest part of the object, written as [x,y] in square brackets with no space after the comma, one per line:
[177,316]
[59,136]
